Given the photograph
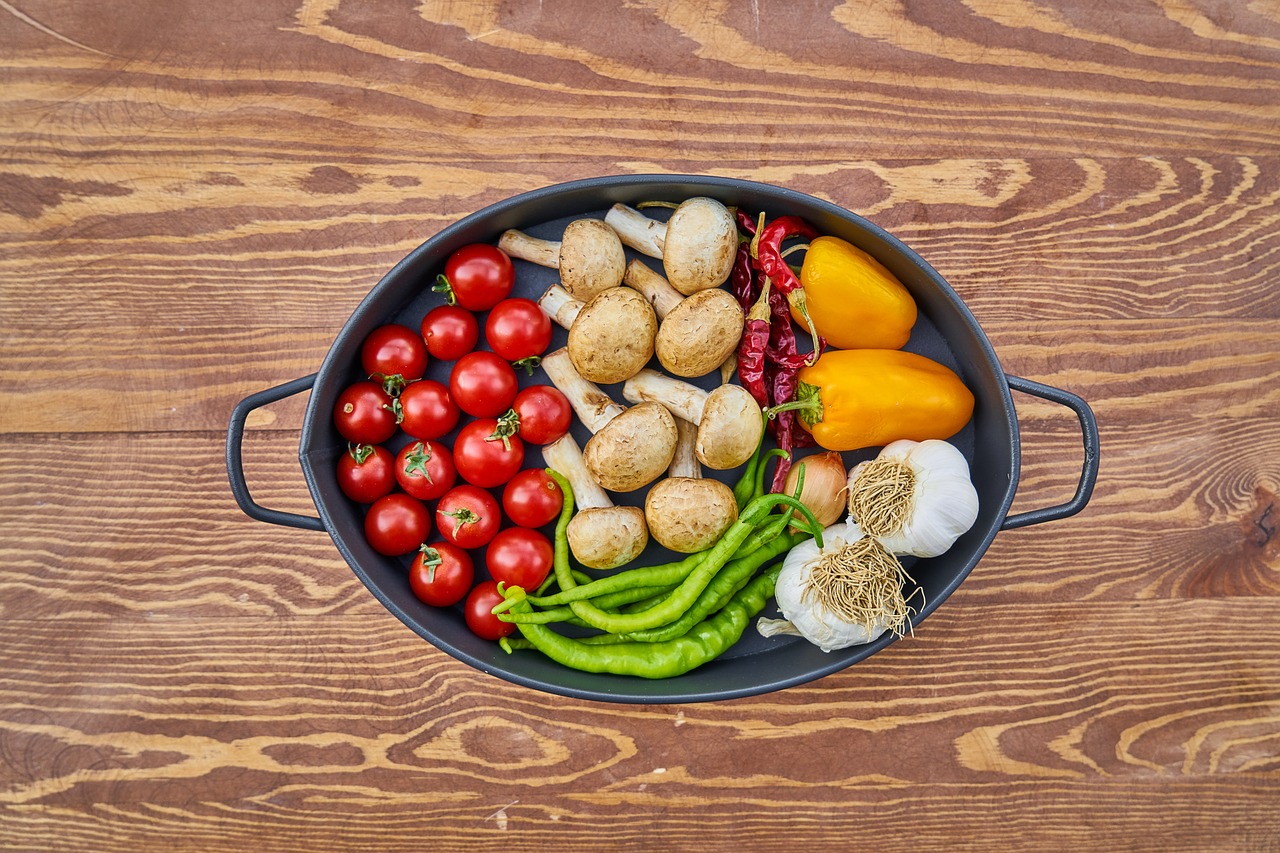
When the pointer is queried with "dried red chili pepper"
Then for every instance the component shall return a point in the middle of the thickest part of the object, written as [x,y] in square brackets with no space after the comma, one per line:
[751,349]
[783,380]
[769,260]
[742,279]
[745,221]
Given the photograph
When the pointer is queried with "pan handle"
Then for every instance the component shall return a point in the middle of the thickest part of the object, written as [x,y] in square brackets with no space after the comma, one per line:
[235,464]
[1088,475]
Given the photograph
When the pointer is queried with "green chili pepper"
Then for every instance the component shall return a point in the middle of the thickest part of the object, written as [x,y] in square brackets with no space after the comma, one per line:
[692,586]
[667,574]
[608,601]
[726,584]
[707,641]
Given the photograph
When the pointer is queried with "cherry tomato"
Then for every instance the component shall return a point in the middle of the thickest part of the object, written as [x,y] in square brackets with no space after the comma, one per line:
[532,498]
[518,330]
[397,524]
[428,410]
[394,350]
[441,574]
[477,277]
[543,412]
[479,612]
[483,460]
[365,472]
[365,414]
[483,384]
[425,469]
[450,332]
[519,557]
[468,516]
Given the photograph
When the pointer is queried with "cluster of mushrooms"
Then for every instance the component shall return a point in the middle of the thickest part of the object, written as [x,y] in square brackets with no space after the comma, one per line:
[619,316]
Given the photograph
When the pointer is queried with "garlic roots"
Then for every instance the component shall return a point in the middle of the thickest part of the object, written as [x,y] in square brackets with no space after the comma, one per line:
[915,497]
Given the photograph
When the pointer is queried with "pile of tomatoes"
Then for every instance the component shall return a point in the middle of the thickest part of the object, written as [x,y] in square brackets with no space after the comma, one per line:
[459,470]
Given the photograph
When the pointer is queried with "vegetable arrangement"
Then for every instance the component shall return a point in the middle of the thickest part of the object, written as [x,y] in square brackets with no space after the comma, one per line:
[544,557]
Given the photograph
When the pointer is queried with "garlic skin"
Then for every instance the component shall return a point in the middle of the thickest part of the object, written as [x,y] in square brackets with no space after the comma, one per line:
[820,626]
[944,503]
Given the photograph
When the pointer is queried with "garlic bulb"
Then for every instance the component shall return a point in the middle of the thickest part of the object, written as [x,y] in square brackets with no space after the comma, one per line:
[847,593]
[915,497]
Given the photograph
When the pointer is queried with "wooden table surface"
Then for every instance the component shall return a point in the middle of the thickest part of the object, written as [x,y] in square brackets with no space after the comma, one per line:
[195,196]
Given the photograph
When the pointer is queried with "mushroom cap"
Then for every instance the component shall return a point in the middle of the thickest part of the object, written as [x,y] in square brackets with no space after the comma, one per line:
[633,449]
[591,258]
[689,515]
[731,427]
[700,333]
[612,337]
[700,247]
[607,537]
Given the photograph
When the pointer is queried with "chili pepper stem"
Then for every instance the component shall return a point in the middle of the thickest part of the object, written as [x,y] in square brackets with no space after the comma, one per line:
[798,301]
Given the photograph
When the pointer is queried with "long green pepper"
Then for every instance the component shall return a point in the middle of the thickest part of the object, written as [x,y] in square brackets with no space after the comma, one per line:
[707,641]
[692,586]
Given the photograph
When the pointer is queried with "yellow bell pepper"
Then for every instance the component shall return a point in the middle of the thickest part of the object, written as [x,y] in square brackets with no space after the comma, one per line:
[855,303]
[851,399]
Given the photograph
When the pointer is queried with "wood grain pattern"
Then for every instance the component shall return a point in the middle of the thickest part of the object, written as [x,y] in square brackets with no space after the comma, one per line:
[195,197]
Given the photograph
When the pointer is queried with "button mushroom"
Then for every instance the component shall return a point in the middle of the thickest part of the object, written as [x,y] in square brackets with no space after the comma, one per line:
[685,512]
[629,447]
[589,255]
[611,337]
[730,423]
[696,334]
[697,244]
[601,535]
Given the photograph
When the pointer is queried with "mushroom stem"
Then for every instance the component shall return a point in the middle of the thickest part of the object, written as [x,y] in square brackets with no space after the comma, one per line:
[636,230]
[685,462]
[653,286]
[560,305]
[564,455]
[593,406]
[685,400]
[517,244]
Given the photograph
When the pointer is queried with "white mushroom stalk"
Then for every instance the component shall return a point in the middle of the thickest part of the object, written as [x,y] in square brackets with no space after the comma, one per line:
[589,255]
[650,284]
[685,512]
[636,230]
[697,244]
[629,447]
[730,423]
[560,305]
[601,535]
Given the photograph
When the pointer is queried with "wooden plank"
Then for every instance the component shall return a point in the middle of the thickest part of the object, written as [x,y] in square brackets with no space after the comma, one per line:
[326,726]
[298,246]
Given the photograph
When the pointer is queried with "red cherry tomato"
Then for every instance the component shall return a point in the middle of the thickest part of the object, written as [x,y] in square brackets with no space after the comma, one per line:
[425,469]
[450,332]
[479,612]
[365,472]
[483,384]
[543,412]
[441,574]
[532,498]
[428,410]
[518,330]
[519,557]
[483,460]
[477,277]
[397,524]
[394,350]
[365,414]
[468,516]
